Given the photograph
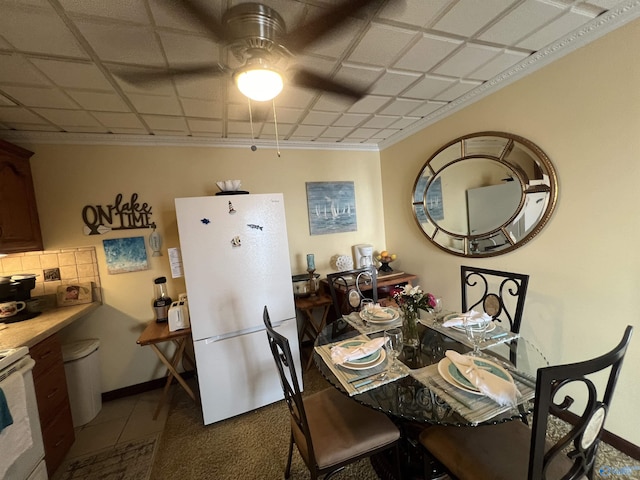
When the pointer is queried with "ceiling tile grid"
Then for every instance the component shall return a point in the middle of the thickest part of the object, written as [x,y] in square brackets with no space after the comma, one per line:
[60,59]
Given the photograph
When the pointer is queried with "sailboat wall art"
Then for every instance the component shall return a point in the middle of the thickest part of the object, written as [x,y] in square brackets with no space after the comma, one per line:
[332,207]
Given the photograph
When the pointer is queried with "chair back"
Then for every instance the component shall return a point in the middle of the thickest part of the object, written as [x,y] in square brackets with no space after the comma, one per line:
[499,294]
[586,427]
[347,289]
[283,358]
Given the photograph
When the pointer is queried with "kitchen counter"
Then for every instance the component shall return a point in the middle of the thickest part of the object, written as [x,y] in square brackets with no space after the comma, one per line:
[30,332]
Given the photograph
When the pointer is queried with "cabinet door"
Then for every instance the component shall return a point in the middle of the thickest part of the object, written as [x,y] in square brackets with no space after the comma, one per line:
[19,223]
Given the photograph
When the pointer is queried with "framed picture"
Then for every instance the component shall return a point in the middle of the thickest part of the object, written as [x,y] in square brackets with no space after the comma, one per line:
[125,255]
[331,207]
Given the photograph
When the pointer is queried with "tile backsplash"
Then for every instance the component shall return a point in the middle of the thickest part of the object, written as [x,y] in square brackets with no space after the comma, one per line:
[75,265]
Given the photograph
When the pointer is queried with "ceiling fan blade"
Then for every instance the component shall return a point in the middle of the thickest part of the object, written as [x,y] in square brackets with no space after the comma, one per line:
[202,17]
[307,79]
[311,31]
[138,77]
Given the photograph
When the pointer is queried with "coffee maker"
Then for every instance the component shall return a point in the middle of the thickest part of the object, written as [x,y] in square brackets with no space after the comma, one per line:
[19,290]
[363,255]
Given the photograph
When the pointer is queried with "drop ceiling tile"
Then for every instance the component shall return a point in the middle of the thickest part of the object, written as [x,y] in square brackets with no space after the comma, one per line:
[100,101]
[393,82]
[327,139]
[170,14]
[414,12]
[4,45]
[128,131]
[381,45]
[69,118]
[240,128]
[358,75]
[380,121]
[332,103]
[294,97]
[155,104]
[320,118]
[116,9]
[285,115]
[335,44]
[337,132]
[18,115]
[241,111]
[458,90]
[468,16]
[73,74]
[213,126]
[498,64]
[362,133]
[316,64]
[269,130]
[18,24]
[6,101]
[400,106]
[31,127]
[159,122]
[521,22]
[383,134]
[428,87]
[427,108]
[369,104]
[158,88]
[350,120]
[85,129]
[188,49]
[39,97]
[15,69]
[427,52]
[123,43]
[118,120]
[206,88]
[557,29]
[405,122]
[171,133]
[201,108]
[308,130]
[468,58]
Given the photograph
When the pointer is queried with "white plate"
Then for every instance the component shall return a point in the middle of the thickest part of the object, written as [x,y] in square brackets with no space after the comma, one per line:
[390,310]
[490,328]
[451,375]
[370,361]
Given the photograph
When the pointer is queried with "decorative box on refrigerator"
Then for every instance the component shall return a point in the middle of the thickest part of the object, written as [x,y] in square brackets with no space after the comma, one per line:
[235,255]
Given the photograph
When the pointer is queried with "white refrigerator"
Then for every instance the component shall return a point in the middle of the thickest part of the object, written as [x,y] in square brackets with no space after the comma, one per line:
[235,256]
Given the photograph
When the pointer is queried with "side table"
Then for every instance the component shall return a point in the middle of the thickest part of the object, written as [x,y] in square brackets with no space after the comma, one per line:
[307,305]
[156,333]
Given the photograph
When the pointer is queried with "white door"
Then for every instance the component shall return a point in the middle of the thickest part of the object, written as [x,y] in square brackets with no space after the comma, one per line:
[235,255]
[238,374]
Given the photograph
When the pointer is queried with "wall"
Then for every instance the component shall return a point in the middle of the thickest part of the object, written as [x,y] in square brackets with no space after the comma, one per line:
[69,177]
[584,112]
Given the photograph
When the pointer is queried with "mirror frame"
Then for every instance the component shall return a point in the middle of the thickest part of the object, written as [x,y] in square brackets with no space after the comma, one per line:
[433,168]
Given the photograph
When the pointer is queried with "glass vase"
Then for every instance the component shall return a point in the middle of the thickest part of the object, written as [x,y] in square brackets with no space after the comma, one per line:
[410,327]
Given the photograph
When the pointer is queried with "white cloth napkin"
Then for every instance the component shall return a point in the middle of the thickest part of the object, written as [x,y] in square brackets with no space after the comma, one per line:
[378,312]
[502,391]
[472,315]
[339,354]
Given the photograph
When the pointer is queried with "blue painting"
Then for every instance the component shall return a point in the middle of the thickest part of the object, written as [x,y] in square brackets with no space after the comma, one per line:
[125,255]
[332,207]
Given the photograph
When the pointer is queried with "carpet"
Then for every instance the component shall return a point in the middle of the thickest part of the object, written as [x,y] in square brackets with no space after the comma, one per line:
[126,461]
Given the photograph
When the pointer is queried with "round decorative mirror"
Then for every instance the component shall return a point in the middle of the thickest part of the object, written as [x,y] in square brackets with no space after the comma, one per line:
[484,194]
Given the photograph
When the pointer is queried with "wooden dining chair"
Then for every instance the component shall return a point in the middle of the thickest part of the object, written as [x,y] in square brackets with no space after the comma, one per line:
[330,429]
[348,288]
[499,294]
[512,450]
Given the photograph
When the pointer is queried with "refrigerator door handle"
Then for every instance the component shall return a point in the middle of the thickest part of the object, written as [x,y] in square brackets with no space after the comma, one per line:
[240,333]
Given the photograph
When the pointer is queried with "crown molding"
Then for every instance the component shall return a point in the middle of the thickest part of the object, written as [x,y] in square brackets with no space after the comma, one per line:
[599,26]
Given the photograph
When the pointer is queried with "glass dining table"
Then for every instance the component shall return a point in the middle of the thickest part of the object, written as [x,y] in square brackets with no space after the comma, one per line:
[425,392]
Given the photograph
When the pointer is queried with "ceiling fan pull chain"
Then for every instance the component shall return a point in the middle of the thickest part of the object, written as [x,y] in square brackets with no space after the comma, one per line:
[275,122]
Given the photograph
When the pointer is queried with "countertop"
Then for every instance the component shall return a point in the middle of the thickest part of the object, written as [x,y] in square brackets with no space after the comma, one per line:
[30,332]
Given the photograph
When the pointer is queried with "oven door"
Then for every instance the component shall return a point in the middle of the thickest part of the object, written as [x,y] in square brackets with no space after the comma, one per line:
[21,442]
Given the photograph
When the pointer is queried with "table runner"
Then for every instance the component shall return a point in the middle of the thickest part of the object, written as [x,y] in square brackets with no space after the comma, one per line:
[356,322]
[496,337]
[474,408]
[345,374]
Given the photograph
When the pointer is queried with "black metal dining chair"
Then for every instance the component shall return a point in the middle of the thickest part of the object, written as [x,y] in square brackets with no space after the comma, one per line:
[348,289]
[512,450]
[499,294]
[330,429]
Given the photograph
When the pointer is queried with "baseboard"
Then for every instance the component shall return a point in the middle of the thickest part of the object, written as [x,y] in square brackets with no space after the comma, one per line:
[142,387]
[612,439]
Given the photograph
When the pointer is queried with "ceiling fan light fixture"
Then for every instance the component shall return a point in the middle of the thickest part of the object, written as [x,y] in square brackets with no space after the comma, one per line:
[259,83]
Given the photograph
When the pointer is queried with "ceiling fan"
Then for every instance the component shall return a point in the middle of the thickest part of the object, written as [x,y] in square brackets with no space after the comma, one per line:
[257,37]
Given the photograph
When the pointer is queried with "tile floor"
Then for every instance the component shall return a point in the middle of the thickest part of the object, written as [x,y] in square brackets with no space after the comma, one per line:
[119,421]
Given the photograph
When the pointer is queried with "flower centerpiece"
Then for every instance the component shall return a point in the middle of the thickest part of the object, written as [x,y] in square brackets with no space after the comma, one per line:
[410,299]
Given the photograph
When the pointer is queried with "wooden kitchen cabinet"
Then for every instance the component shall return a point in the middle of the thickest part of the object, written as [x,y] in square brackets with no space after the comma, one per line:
[19,223]
[53,401]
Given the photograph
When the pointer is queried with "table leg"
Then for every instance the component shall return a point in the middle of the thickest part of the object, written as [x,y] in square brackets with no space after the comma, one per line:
[173,373]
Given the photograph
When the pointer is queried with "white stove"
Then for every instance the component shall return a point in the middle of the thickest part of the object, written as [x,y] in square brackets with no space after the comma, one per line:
[11,355]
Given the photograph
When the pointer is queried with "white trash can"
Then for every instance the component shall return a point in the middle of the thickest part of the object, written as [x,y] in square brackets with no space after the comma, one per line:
[82,369]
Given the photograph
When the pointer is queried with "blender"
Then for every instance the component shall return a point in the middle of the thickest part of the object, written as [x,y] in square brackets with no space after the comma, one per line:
[162,302]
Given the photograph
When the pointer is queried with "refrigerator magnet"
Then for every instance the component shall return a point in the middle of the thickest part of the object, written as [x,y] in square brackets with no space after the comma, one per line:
[231,209]
[235,241]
